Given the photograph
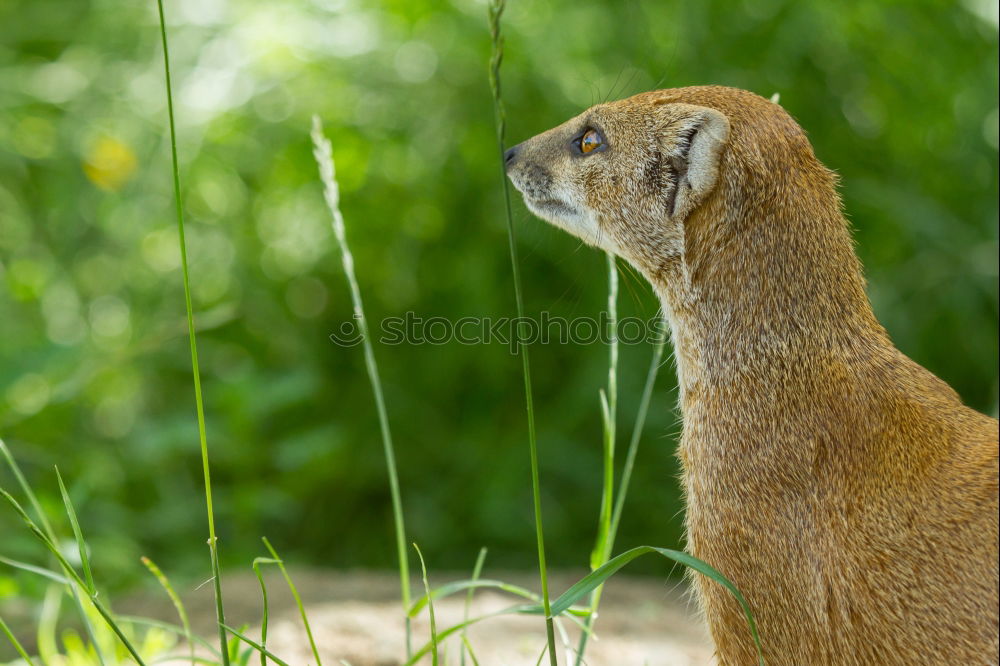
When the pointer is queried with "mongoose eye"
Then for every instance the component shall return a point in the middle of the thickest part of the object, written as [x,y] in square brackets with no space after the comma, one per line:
[590,141]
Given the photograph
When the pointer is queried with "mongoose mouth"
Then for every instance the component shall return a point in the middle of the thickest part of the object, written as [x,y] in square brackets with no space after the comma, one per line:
[578,223]
[551,209]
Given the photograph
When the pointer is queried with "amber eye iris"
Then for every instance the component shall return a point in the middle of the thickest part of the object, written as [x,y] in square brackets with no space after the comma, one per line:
[590,141]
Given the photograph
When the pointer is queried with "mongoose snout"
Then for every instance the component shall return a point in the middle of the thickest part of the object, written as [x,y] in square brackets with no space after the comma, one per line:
[842,487]
[534,181]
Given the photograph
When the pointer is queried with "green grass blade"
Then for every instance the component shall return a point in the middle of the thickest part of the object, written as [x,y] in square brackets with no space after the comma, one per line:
[476,570]
[50,533]
[596,578]
[72,574]
[263,593]
[637,428]
[196,373]
[495,12]
[298,600]
[471,584]
[599,554]
[323,152]
[608,528]
[91,590]
[13,641]
[174,599]
[77,534]
[87,624]
[254,645]
[110,621]
[435,657]
[48,621]
[41,571]
[468,647]
[234,645]
[174,629]
[441,635]
[41,536]
[28,492]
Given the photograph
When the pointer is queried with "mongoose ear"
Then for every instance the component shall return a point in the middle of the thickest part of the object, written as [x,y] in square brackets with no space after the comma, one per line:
[694,142]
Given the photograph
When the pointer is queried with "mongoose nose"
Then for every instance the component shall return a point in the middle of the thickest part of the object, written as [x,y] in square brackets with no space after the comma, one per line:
[510,155]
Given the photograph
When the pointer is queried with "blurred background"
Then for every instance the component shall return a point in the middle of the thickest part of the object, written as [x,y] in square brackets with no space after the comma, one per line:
[899,98]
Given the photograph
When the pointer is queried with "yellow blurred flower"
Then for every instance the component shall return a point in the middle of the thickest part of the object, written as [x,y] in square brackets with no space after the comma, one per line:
[109,163]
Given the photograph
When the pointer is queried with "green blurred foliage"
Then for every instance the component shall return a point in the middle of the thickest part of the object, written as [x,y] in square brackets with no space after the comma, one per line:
[899,98]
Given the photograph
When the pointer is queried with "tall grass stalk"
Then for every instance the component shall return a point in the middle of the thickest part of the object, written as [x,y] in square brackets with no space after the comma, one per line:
[496,8]
[609,411]
[609,416]
[196,373]
[298,600]
[331,192]
[164,582]
[263,593]
[476,571]
[435,658]
[623,484]
[633,446]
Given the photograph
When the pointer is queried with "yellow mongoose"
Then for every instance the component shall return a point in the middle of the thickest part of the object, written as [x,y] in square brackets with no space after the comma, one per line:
[842,487]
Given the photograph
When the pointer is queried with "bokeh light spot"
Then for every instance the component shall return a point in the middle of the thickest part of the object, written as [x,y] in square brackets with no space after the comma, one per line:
[109,163]
[416,62]
[56,82]
[161,251]
[110,321]
[61,307]
[29,394]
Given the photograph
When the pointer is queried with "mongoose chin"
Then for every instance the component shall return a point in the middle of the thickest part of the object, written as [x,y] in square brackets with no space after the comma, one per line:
[842,487]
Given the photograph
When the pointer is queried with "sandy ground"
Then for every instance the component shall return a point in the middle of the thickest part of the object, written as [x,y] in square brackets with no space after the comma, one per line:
[357,619]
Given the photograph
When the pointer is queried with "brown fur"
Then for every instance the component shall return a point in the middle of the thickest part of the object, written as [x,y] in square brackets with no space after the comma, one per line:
[842,487]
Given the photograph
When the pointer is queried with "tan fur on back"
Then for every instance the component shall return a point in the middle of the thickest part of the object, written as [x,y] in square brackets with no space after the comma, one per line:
[842,487]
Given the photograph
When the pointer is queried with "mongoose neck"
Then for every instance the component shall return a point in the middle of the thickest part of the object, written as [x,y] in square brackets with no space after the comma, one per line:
[766,293]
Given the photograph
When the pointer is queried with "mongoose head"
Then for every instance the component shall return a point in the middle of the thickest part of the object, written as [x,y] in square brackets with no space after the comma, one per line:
[630,176]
